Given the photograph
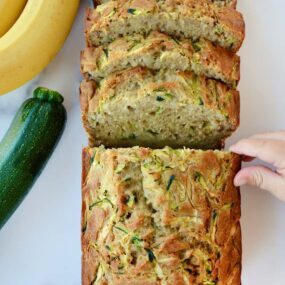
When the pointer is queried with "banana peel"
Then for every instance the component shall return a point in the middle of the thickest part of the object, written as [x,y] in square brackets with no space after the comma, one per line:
[34,40]
[9,13]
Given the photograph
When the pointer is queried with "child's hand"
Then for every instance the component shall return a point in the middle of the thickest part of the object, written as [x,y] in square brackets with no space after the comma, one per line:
[269,147]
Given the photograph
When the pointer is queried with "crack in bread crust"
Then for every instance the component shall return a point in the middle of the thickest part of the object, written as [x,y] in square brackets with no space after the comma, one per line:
[160,217]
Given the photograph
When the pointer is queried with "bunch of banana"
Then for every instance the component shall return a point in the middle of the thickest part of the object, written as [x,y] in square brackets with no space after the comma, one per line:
[34,39]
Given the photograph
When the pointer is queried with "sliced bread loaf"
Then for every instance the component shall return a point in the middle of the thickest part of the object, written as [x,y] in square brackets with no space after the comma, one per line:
[139,107]
[182,18]
[164,216]
[160,51]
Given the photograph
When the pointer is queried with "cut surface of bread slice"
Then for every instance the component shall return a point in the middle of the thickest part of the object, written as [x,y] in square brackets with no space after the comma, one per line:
[160,216]
[139,107]
[181,18]
[160,51]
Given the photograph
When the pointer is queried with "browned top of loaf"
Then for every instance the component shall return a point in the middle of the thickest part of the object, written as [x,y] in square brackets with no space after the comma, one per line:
[222,20]
[181,228]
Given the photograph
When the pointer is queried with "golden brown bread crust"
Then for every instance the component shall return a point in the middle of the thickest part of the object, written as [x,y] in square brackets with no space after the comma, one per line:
[159,238]
[87,92]
[85,165]
[222,25]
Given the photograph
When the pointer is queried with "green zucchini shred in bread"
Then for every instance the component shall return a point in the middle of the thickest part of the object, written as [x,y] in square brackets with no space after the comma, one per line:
[138,107]
[160,51]
[149,234]
[181,18]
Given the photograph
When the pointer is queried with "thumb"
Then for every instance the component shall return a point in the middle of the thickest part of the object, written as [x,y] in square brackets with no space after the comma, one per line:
[262,177]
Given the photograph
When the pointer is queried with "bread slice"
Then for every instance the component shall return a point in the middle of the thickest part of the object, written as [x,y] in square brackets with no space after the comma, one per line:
[182,18]
[160,217]
[160,51]
[229,3]
[139,107]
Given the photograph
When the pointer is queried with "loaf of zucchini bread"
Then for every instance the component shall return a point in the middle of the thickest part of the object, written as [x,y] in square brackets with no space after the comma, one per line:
[139,107]
[181,18]
[160,51]
[165,216]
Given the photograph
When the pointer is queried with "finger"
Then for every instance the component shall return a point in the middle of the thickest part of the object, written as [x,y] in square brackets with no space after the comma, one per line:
[262,177]
[246,158]
[270,151]
[271,135]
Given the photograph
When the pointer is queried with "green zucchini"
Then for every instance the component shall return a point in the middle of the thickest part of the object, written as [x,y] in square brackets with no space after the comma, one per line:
[27,145]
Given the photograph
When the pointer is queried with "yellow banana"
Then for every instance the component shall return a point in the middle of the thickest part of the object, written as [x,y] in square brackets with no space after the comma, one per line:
[10,11]
[33,41]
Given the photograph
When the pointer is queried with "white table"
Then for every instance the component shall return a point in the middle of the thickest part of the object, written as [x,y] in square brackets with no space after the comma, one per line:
[40,245]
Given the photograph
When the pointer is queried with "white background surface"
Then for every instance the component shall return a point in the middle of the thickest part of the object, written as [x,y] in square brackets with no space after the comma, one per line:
[40,245]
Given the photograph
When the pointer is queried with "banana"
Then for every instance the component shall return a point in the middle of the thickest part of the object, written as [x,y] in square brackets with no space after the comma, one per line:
[34,40]
[10,10]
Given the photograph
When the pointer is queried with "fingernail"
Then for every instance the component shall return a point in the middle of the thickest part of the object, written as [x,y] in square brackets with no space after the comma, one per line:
[235,148]
[232,148]
[239,182]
